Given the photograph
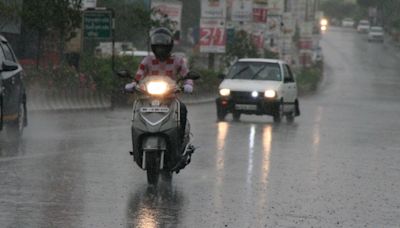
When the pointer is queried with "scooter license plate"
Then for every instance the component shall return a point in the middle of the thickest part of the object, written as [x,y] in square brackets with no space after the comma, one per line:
[245,107]
[154,109]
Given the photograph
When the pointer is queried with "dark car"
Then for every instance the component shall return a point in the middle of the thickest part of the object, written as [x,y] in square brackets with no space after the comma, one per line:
[13,113]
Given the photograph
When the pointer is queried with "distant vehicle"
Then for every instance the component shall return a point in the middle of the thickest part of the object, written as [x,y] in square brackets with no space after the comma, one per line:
[13,113]
[348,22]
[376,33]
[260,87]
[363,26]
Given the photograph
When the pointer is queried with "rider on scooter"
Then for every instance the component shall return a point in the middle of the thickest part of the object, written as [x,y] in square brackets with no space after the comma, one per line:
[163,63]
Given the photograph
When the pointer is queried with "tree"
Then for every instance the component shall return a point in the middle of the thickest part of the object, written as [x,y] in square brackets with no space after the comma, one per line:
[241,46]
[60,18]
[9,13]
[388,11]
[339,9]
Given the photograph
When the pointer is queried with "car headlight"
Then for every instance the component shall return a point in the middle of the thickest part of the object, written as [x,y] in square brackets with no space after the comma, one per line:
[225,92]
[157,88]
[324,22]
[270,94]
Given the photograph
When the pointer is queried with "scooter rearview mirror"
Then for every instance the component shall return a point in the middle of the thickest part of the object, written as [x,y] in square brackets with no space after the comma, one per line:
[124,74]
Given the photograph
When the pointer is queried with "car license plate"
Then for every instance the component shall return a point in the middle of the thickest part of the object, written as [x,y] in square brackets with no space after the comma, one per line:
[154,109]
[245,107]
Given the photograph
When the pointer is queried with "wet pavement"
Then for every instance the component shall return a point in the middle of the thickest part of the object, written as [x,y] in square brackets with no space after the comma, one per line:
[336,166]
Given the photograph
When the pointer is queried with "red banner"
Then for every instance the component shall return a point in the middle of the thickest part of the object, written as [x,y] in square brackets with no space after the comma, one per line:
[260,15]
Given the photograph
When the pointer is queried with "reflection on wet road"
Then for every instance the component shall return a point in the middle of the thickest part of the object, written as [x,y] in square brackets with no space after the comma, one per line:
[335,166]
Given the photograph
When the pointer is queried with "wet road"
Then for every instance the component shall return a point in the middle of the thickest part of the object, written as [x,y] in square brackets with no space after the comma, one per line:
[336,166]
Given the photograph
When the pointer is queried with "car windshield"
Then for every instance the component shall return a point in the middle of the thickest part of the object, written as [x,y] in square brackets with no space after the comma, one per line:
[255,71]
[376,29]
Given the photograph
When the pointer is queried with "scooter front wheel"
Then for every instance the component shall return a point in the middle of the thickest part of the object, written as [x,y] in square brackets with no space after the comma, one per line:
[153,176]
[153,168]
[166,176]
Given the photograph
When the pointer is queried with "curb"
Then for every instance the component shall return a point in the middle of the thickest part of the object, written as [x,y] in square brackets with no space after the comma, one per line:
[43,100]
[84,99]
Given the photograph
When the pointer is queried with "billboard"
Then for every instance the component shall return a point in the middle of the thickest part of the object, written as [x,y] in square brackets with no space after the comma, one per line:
[170,13]
[242,10]
[89,4]
[212,35]
[213,8]
[260,14]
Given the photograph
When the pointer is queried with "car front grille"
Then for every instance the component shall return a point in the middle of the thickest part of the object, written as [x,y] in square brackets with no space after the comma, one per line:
[243,97]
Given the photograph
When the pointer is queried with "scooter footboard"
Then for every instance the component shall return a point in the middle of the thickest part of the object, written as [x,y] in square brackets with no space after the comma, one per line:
[153,144]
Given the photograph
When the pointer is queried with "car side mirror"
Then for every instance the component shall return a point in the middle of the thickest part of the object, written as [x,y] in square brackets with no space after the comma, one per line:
[287,80]
[221,76]
[124,74]
[9,66]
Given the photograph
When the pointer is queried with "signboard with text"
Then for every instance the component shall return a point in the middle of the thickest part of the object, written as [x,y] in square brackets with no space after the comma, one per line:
[97,24]
[89,4]
[171,11]
[260,14]
[213,8]
[212,36]
[242,10]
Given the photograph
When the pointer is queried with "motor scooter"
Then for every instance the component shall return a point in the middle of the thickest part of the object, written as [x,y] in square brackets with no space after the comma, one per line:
[158,146]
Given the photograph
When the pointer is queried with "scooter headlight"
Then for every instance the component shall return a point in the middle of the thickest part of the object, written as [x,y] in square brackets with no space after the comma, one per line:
[157,87]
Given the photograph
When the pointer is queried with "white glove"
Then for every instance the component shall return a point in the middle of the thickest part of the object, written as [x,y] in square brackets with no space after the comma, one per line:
[130,86]
[187,88]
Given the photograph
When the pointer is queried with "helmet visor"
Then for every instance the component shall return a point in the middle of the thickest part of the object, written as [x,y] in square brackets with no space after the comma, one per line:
[161,39]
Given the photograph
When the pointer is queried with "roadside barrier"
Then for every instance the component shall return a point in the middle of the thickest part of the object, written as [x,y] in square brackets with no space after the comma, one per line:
[42,100]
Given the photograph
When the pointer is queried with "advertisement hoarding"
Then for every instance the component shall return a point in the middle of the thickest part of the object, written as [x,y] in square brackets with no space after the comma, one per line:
[89,4]
[168,12]
[212,36]
[242,10]
[213,8]
[260,14]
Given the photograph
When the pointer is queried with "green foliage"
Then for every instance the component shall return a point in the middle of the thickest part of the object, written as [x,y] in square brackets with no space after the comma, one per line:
[95,74]
[100,70]
[308,78]
[209,81]
[46,15]
[339,9]
[132,21]
[270,55]
[241,47]
[9,12]
[388,9]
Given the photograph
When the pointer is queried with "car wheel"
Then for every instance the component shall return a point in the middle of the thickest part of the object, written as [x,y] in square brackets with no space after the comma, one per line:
[166,176]
[278,112]
[1,112]
[221,113]
[16,128]
[290,117]
[236,116]
[297,108]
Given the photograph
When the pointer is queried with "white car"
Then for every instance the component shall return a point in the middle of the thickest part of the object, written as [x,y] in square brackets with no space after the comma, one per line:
[348,22]
[260,87]
[376,33]
[363,26]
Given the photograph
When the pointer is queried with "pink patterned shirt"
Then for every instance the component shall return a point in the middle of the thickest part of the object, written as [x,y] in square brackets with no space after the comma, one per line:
[174,67]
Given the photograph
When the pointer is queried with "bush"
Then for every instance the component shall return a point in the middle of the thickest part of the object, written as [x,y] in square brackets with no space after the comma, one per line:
[308,78]
[96,75]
